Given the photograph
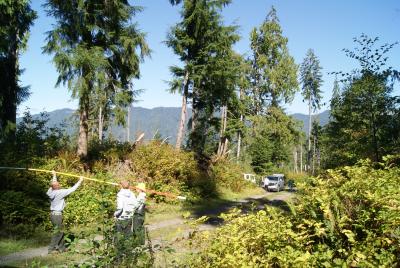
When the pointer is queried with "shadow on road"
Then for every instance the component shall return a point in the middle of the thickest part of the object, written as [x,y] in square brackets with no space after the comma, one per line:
[214,207]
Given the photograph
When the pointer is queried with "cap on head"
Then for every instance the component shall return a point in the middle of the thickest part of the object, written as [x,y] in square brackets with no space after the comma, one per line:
[125,184]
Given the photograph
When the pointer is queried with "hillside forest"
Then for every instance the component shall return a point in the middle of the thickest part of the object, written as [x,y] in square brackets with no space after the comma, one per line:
[344,211]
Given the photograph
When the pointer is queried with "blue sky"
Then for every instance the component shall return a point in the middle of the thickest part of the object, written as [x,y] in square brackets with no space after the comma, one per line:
[325,26]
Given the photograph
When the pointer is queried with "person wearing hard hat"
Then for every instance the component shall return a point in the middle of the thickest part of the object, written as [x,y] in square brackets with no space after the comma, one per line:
[57,203]
[138,217]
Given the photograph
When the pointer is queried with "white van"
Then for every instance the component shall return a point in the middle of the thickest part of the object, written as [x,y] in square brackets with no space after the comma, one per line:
[274,182]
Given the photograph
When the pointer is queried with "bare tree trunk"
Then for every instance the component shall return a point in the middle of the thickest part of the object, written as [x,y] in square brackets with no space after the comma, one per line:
[128,124]
[222,139]
[319,159]
[313,156]
[195,107]
[309,134]
[301,157]
[239,141]
[221,132]
[225,147]
[295,160]
[83,126]
[181,128]
[239,135]
[100,124]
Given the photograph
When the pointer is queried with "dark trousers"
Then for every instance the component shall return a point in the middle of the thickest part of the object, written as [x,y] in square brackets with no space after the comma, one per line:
[138,228]
[132,229]
[124,227]
[57,240]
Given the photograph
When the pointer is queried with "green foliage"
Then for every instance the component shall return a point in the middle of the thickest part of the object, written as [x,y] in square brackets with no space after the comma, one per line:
[271,139]
[16,18]
[311,79]
[23,202]
[95,47]
[229,175]
[107,152]
[169,170]
[346,217]
[315,139]
[114,249]
[274,73]
[271,75]
[34,138]
[365,114]
[208,77]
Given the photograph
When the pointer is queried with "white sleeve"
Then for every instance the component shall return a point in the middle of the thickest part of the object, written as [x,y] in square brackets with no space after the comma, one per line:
[65,192]
[49,191]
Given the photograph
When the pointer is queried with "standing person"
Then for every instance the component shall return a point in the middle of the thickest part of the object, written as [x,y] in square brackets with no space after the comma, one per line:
[130,213]
[138,217]
[126,206]
[57,204]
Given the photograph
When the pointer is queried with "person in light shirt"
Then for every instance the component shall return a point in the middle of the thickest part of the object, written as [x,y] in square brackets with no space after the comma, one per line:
[130,212]
[57,204]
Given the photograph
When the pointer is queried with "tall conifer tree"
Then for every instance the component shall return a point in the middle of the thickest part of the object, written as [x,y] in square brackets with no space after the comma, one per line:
[311,79]
[203,44]
[92,40]
[274,74]
[16,18]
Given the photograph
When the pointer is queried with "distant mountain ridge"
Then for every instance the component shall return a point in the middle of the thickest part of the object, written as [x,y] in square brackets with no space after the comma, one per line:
[322,117]
[162,120]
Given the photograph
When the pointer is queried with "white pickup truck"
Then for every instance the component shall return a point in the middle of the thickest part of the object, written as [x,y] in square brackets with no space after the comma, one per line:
[274,182]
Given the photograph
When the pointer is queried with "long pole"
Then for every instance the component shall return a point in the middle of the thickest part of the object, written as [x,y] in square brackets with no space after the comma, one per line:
[96,180]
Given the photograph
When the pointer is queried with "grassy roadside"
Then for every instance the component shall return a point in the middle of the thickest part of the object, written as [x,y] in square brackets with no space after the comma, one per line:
[165,236]
[10,245]
[55,260]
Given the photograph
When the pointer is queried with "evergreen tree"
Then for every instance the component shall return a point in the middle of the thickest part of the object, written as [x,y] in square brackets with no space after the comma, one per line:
[335,94]
[274,74]
[364,120]
[16,18]
[273,80]
[95,46]
[316,132]
[203,44]
[311,79]
[272,141]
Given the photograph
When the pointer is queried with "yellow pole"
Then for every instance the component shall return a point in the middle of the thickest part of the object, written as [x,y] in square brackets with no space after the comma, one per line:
[73,175]
[96,180]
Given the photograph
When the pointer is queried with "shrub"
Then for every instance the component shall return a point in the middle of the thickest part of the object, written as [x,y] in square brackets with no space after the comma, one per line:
[346,217]
[228,175]
[166,169]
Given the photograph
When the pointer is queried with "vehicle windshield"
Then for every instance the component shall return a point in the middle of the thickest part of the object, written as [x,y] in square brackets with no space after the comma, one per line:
[273,178]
